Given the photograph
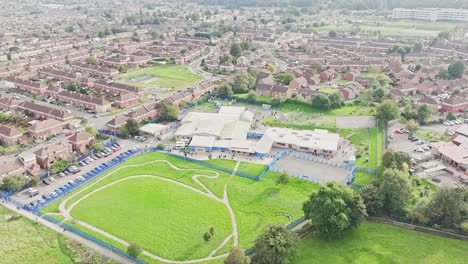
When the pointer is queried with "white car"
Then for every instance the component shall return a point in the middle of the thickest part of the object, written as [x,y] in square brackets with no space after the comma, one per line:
[458,122]
[419,149]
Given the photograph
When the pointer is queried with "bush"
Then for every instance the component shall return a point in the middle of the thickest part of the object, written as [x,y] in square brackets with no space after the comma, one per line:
[464,227]
[161,146]
[134,250]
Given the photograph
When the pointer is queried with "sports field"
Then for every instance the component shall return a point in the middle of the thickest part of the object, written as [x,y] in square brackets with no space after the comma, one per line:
[166,204]
[379,243]
[161,77]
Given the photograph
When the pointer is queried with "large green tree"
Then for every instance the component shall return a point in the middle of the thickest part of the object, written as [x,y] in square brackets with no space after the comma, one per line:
[334,209]
[321,101]
[224,89]
[396,160]
[447,207]
[275,245]
[395,190]
[456,69]
[424,113]
[13,183]
[236,50]
[387,111]
[168,111]
[370,197]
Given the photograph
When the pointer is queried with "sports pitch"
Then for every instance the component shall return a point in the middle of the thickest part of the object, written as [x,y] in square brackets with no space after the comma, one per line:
[161,77]
[166,204]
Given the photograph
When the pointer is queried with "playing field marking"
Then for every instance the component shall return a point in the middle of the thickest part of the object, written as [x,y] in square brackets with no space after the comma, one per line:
[65,211]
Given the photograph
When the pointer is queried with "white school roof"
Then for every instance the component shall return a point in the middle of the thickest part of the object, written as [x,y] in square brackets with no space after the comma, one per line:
[318,139]
[229,123]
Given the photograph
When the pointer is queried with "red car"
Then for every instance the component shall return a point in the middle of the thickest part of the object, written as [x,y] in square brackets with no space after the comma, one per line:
[68,133]
[398,131]
[116,149]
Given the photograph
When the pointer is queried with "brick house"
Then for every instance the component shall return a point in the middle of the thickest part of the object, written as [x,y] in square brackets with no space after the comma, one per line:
[126,100]
[86,101]
[9,136]
[350,75]
[53,152]
[365,81]
[396,95]
[117,88]
[352,90]
[45,128]
[328,75]
[281,91]
[82,140]
[8,103]
[44,112]
[265,78]
[455,104]
[27,85]
[298,83]
[264,89]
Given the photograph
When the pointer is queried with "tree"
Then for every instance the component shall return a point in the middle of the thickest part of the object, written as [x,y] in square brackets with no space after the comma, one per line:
[98,147]
[412,126]
[206,236]
[91,130]
[252,96]
[13,183]
[336,100]
[387,111]
[371,199]
[443,35]
[334,209]
[399,160]
[332,34]
[417,47]
[121,68]
[417,67]
[275,245]
[73,86]
[321,101]
[134,250]
[131,127]
[91,60]
[237,256]
[455,93]
[59,166]
[224,89]
[451,116]
[285,78]
[378,94]
[447,207]
[282,179]
[424,113]
[456,69]
[168,111]
[235,50]
[241,83]
[395,190]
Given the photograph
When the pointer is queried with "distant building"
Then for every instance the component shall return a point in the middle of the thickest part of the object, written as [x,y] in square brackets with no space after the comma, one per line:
[431,14]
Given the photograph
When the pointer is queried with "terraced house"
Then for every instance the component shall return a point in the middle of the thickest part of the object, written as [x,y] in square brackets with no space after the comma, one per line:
[9,136]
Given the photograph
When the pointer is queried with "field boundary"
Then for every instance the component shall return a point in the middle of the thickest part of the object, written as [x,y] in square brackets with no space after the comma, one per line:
[422,229]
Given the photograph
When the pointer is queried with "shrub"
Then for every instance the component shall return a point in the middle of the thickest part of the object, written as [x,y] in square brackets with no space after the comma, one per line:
[464,227]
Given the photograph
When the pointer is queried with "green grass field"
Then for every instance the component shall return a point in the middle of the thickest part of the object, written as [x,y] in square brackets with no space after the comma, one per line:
[379,243]
[174,218]
[432,136]
[169,77]
[24,241]
[169,220]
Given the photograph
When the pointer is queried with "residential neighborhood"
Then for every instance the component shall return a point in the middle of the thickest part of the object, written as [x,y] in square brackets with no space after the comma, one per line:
[250,131]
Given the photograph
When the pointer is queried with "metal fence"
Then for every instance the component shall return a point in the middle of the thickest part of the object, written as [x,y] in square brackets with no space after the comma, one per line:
[66,189]
[90,237]
[318,159]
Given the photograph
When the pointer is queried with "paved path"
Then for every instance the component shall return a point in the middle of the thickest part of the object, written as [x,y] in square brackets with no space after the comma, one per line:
[65,211]
[96,247]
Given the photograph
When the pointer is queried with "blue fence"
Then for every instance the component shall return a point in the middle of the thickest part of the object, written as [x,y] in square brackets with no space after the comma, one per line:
[90,237]
[110,133]
[67,188]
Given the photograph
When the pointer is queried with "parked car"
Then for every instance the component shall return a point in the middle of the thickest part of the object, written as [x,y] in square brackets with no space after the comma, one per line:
[46,181]
[32,192]
[398,131]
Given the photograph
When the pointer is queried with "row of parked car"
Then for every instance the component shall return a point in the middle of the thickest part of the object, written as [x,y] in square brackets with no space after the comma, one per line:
[105,153]
[452,122]
[73,170]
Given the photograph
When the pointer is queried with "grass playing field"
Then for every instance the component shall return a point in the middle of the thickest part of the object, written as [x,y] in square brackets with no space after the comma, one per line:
[379,243]
[169,220]
[168,77]
[174,218]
